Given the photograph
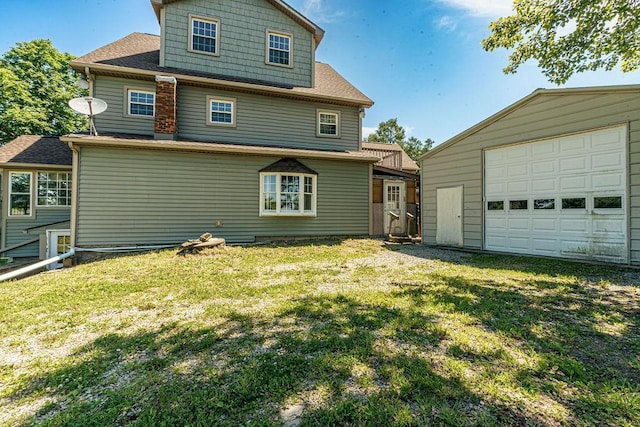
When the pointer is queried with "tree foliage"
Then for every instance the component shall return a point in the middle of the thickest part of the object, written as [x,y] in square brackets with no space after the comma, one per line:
[569,36]
[36,82]
[390,132]
[416,148]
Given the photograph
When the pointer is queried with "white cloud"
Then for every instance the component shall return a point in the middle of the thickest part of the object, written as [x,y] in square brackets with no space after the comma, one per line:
[488,8]
[319,12]
[446,23]
[366,131]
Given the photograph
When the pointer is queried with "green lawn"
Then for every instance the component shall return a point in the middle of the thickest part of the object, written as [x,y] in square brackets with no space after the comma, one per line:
[322,333]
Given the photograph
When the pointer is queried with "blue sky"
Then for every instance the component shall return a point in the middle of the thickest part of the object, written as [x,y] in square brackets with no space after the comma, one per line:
[420,60]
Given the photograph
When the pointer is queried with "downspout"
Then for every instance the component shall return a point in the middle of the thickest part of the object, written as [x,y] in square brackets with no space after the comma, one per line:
[33,267]
[90,78]
[73,219]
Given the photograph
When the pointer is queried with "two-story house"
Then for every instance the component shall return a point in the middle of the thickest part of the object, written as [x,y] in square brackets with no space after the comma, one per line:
[223,123]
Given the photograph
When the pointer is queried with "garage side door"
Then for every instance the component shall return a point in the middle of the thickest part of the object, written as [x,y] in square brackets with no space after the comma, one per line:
[561,197]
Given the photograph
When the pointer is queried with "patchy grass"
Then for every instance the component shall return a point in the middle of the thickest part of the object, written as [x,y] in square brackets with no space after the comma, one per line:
[322,333]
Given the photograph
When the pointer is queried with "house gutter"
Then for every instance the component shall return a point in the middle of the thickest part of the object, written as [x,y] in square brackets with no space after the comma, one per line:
[75,141]
[225,84]
[33,267]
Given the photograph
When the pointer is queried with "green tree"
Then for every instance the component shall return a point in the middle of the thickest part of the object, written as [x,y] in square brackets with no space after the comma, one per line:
[416,148]
[390,132]
[569,36]
[36,82]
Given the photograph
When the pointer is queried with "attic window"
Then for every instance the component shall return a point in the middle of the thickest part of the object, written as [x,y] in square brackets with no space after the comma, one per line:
[279,49]
[204,35]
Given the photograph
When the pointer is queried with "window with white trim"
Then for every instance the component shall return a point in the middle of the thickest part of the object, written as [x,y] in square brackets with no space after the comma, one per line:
[141,103]
[54,189]
[204,35]
[289,194]
[20,193]
[221,111]
[279,49]
[328,123]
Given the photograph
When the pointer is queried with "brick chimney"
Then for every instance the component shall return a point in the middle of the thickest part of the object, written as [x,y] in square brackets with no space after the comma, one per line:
[166,123]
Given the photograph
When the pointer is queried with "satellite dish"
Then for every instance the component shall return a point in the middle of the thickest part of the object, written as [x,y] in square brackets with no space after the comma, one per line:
[89,106]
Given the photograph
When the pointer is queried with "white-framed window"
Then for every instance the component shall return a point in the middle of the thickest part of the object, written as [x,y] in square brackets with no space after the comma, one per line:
[328,123]
[204,35]
[279,48]
[141,103]
[221,111]
[287,194]
[53,189]
[20,193]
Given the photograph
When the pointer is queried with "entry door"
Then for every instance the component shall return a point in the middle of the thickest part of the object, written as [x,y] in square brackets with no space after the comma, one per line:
[395,202]
[58,243]
[449,216]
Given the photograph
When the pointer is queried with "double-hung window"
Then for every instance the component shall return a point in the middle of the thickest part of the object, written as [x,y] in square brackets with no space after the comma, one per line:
[20,193]
[54,189]
[204,35]
[328,123]
[288,194]
[141,103]
[221,111]
[279,48]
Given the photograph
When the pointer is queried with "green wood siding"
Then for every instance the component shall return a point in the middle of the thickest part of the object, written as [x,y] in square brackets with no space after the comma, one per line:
[264,120]
[242,33]
[153,197]
[42,216]
[544,117]
[261,120]
[113,91]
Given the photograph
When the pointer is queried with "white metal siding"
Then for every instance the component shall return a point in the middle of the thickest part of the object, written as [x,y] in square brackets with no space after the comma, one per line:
[586,165]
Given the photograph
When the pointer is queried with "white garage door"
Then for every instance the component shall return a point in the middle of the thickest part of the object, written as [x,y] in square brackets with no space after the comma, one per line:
[560,197]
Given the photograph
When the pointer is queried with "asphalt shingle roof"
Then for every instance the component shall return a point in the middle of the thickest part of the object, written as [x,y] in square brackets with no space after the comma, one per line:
[34,149]
[140,51]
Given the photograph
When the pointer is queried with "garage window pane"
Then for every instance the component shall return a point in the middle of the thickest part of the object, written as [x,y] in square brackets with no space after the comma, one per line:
[516,205]
[607,202]
[574,203]
[495,206]
[544,204]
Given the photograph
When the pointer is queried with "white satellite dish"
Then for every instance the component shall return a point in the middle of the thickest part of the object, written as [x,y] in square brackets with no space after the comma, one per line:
[89,106]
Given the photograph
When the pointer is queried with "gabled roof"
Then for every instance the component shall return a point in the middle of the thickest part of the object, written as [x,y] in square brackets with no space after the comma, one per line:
[288,165]
[36,150]
[595,90]
[138,54]
[318,33]
[408,164]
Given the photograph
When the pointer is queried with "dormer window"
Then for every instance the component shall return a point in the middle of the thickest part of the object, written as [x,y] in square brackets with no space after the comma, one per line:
[279,48]
[204,35]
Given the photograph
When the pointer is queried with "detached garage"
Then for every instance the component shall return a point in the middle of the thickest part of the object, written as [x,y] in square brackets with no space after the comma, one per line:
[555,174]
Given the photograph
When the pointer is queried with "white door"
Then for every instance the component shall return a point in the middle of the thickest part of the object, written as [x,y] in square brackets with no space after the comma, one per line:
[562,197]
[395,207]
[449,216]
[58,243]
